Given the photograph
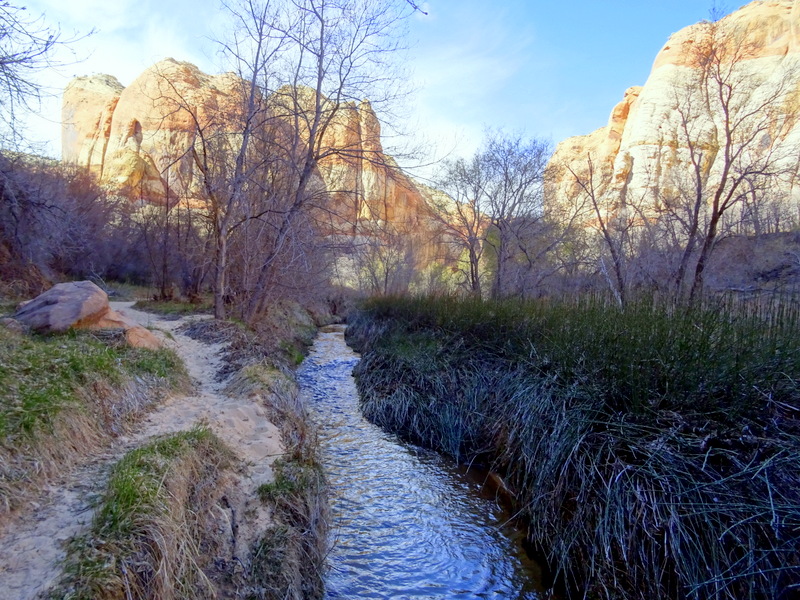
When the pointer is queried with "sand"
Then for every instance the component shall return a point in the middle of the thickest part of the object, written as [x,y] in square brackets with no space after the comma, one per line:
[33,542]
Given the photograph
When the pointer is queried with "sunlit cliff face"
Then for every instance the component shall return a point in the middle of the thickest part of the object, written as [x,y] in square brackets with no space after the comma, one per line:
[642,155]
[138,139]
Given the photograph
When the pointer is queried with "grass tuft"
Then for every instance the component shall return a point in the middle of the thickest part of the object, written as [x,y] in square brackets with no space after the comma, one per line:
[287,560]
[41,375]
[61,395]
[145,539]
[174,308]
[291,478]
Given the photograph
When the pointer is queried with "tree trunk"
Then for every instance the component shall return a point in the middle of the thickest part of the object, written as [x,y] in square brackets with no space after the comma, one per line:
[705,253]
[220,277]
[474,273]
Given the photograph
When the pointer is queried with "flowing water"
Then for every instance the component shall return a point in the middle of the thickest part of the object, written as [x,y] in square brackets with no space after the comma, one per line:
[407,522]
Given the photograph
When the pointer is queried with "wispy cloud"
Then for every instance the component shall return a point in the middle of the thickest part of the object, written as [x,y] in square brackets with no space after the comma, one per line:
[129,36]
[470,59]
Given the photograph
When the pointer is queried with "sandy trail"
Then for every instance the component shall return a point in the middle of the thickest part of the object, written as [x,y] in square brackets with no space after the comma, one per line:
[33,544]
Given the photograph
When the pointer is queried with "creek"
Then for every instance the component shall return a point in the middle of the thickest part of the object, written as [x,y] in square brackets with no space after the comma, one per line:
[406,522]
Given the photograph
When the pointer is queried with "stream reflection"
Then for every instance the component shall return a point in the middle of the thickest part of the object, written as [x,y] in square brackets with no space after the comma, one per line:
[406,522]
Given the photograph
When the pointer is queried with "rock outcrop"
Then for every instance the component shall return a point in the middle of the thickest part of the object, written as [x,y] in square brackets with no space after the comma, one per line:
[65,305]
[136,138]
[87,113]
[138,141]
[643,155]
[80,305]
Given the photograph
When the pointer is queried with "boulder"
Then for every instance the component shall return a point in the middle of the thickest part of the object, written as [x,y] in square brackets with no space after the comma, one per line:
[65,305]
[139,337]
[80,305]
[136,336]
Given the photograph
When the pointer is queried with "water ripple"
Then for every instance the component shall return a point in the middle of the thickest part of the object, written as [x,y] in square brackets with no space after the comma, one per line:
[406,522]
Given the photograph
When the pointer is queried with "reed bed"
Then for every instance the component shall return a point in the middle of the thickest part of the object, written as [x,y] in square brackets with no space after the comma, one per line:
[653,450]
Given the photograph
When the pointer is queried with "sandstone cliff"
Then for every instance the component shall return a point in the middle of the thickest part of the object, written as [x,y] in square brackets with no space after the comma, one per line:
[646,150]
[138,141]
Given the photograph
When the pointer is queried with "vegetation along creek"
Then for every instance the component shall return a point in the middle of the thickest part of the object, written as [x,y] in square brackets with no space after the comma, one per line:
[578,362]
[406,522]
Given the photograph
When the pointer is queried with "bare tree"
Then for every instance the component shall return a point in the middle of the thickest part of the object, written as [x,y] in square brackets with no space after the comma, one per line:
[459,211]
[27,47]
[299,64]
[613,220]
[340,51]
[732,125]
[513,199]
[55,218]
[495,201]
[36,197]
[385,261]
[723,155]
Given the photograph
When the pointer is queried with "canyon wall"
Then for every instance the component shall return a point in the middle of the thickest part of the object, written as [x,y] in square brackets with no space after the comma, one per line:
[666,135]
[138,140]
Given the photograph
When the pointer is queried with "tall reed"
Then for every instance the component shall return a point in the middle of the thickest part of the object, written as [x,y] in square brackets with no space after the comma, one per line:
[653,450]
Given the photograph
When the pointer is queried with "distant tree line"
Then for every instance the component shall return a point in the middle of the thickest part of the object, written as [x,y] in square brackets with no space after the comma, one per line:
[527,227]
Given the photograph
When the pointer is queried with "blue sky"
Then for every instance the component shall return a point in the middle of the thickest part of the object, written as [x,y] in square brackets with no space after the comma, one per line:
[547,68]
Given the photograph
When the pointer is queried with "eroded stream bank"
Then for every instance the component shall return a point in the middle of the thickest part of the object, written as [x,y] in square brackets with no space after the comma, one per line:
[188,498]
[405,521]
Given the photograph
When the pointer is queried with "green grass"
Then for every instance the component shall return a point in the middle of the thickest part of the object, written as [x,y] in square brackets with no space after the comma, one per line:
[650,448]
[288,557]
[292,478]
[146,534]
[136,486]
[7,307]
[61,396]
[294,354]
[42,376]
[722,359]
[174,307]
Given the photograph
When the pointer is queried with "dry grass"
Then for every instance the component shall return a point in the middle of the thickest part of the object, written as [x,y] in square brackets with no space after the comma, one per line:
[285,558]
[175,522]
[155,529]
[286,561]
[280,337]
[63,397]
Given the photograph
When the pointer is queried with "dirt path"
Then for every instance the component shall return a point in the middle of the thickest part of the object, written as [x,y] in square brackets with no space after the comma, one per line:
[32,546]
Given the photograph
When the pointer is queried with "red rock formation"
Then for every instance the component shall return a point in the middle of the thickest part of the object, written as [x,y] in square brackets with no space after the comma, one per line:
[137,139]
[88,108]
